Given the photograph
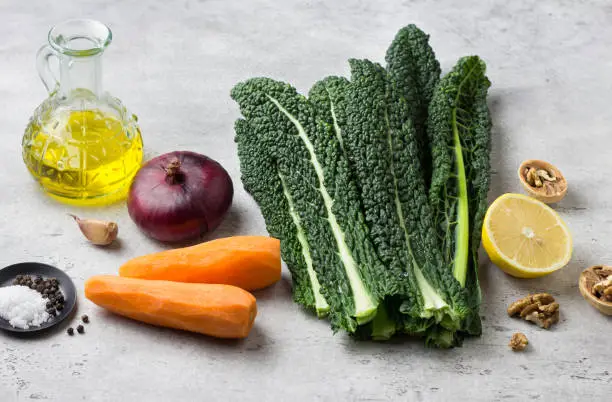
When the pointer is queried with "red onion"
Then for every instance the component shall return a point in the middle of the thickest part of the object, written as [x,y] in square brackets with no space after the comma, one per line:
[179,196]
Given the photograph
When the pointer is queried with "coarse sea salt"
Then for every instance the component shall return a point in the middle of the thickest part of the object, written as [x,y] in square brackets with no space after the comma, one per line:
[22,307]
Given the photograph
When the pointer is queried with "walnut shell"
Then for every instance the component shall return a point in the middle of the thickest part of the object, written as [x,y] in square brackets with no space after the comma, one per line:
[585,284]
[547,194]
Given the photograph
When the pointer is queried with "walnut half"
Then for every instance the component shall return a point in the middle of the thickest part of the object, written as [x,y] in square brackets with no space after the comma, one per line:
[595,285]
[542,180]
[518,342]
[540,308]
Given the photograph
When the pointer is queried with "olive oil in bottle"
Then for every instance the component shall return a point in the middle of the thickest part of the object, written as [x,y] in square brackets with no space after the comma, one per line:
[81,144]
[81,156]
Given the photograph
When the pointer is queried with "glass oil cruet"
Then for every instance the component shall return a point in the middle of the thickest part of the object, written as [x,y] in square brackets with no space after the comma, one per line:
[81,144]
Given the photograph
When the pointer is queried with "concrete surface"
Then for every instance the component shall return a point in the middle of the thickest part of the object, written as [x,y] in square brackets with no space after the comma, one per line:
[174,62]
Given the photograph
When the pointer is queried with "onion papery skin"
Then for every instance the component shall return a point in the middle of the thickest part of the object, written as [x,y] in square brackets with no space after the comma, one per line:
[180,196]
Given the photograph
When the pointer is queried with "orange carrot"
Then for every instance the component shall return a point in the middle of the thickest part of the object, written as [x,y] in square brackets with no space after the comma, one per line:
[222,311]
[249,262]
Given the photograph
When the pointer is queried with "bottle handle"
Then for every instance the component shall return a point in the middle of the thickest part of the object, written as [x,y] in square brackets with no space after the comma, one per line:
[47,77]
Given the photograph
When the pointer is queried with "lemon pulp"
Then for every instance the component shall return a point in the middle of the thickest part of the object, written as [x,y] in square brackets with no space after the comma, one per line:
[525,237]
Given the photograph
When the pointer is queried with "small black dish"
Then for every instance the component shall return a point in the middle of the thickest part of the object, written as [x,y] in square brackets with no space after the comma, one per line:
[8,274]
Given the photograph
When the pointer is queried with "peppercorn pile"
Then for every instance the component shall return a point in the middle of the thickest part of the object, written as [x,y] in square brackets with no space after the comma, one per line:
[48,288]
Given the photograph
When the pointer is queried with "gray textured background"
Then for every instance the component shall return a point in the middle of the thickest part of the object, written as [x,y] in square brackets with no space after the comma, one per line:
[173,64]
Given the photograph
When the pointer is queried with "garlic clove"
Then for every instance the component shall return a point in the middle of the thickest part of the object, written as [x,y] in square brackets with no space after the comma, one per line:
[100,233]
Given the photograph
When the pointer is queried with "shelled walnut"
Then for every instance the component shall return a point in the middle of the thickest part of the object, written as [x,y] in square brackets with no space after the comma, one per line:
[602,286]
[518,342]
[542,180]
[540,308]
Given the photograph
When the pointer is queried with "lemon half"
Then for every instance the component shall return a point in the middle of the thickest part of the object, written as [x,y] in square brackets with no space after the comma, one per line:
[525,237]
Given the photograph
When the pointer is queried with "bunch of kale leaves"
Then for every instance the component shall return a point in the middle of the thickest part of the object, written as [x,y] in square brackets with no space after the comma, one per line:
[376,186]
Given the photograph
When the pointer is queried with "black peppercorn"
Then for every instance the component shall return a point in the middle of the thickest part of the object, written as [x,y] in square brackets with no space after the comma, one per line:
[85,318]
[51,311]
[59,307]
[80,329]
[70,331]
